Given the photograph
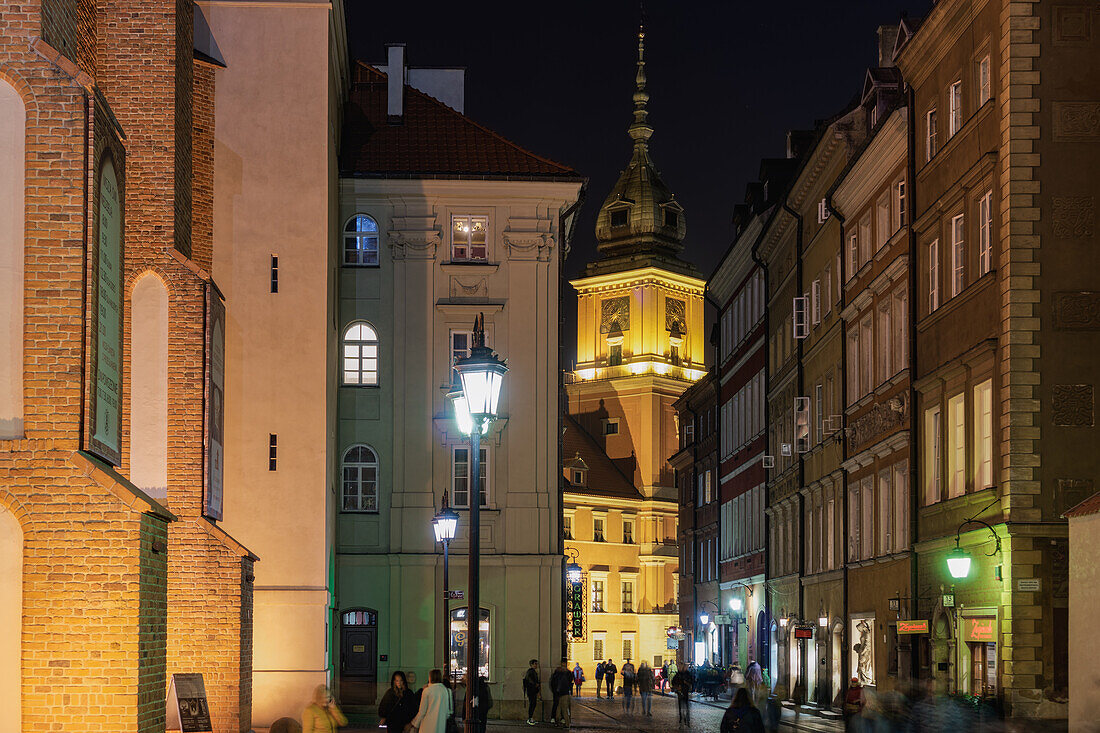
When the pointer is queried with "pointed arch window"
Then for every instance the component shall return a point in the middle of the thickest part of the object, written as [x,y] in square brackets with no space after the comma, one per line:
[360,472]
[361,241]
[360,350]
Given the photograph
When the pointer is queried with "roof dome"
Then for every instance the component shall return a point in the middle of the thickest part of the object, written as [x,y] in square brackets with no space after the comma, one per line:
[640,219]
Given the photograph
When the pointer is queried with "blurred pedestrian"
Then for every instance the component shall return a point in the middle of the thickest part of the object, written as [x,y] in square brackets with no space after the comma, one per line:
[322,715]
[482,703]
[742,716]
[609,672]
[853,704]
[561,685]
[630,677]
[532,687]
[578,679]
[398,706]
[599,678]
[645,688]
[682,682]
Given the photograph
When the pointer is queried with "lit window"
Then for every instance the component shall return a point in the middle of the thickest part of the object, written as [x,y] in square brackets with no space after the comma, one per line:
[361,241]
[597,530]
[458,642]
[360,355]
[956,445]
[930,148]
[360,469]
[468,238]
[567,526]
[933,275]
[983,434]
[460,477]
[954,119]
[597,596]
[364,617]
[933,436]
[985,238]
[958,255]
[628,601]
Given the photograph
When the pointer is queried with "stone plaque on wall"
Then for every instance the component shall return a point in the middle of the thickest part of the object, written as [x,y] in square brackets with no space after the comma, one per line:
[1073,405]
[1077,311]
[1072,25]
[1076,121]
[1074,216]
[1071,492]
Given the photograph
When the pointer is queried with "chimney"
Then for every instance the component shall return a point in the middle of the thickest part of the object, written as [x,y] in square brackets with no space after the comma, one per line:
[395,74]
[887,39]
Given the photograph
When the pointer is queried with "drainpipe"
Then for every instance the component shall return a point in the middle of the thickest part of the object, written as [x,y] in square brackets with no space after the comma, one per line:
[801,466]
[718,462]
[914,436]
[843,380]
[768,620]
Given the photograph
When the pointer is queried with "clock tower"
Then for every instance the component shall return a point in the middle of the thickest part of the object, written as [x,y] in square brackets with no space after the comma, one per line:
[640,333]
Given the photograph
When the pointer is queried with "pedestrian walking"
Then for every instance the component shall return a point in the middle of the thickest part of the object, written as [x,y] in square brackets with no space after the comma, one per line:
[599,679]
[664,677]
[630,676]
[741,716]
[645,688]
[398,706]
[436,705]
[561,687]
[682,683]
[609,672]
[322,715]
[482,703]
[532,688]
[578,679]
[754,680]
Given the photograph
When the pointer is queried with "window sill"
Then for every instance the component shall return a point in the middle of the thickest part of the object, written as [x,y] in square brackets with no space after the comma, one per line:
[362,386]
[350,266]
[455,267]
[956,302]
[369,512]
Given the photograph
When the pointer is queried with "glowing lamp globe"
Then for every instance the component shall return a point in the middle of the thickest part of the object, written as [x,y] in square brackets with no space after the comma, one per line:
[482,374]
[735,605]
[704,618]
[958,563]
[573,572]
[445,525]
[463,417]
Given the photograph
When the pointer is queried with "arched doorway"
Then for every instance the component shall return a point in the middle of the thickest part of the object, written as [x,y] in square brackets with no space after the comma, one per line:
[11,617]
[773,655]
[836,657]
[359,656]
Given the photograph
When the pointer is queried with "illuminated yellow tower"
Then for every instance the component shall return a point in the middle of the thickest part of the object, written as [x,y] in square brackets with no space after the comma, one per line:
[640,333]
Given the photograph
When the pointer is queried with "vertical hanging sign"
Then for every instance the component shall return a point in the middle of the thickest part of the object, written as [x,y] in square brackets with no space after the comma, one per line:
[215,403]
[575,609]
[106,356]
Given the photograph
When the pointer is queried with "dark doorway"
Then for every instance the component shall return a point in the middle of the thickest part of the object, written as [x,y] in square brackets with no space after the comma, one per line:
[359,656]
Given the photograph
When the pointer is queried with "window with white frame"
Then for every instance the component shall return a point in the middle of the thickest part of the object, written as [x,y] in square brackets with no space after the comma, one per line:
[954,107]
[933,461]
[815,302]
[930,148]
[865,240]
[985,233]
[819,411]
[360,350]
[866,363]
[460,477]
[899,205]
[884,348]
[598,594]
[627,596]
[469,238]
[882,220]
[598,641]
[885,523]
[933,275]
[867,517]
[983,434]
[901,506]
[361,241]
[853,254]
[958,255]
[360,472]
[598,527]
[985,90]
[956,445]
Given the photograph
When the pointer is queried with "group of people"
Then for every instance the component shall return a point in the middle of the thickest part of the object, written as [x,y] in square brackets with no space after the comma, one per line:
[428,710]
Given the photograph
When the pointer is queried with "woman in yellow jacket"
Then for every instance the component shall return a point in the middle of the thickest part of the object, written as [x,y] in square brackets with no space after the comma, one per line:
[322,715]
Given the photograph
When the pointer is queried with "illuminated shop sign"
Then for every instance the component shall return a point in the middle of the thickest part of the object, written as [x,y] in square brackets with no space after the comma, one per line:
[980,628]
[917,626]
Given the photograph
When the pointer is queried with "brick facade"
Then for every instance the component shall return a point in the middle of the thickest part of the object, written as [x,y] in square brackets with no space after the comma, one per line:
[118,591]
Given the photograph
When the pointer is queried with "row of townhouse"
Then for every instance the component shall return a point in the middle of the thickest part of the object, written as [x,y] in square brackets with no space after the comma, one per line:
[902,376]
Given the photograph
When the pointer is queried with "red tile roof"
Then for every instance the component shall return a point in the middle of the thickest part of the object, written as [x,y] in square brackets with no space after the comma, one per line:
[1089,506]
[432,140]
[604,477]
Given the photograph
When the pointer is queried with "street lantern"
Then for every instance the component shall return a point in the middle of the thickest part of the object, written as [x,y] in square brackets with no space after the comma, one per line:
[958,563]
[463,418]
[735,605]
[822,617]
[482,375]
[704,618]
[573,571]
[445,524]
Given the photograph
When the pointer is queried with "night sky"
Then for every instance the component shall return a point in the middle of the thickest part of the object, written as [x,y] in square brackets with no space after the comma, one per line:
[726,81]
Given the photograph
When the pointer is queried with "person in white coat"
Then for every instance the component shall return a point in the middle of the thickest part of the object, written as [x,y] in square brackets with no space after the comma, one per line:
[436,705]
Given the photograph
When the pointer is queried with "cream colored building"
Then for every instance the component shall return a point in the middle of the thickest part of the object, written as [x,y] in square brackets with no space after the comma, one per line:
[431,237]
[273,228]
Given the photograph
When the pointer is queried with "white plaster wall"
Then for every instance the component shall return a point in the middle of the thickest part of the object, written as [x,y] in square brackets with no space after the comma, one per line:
[13,118]
[1084,648]
[149,386]
[11,618]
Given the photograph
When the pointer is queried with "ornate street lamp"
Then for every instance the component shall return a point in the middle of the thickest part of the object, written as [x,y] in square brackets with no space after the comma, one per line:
[445,524]
[573,571]
[482,375]
[958,561]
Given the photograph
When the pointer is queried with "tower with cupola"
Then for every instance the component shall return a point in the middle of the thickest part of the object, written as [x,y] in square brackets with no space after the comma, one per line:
[640,332]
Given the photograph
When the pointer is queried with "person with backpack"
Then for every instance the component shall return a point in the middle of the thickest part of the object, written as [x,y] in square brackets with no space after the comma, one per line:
[532,688]
[609,672]
[561,685]
[742,716]
[645,688]
[599,679]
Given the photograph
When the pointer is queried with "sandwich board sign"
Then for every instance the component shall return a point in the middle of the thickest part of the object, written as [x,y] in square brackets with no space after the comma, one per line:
[188,711]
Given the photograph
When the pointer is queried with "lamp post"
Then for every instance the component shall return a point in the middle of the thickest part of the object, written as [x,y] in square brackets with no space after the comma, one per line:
[482,374]
[445,523]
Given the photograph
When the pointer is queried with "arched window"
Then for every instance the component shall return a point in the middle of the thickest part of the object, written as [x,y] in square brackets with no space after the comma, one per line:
[11,614]
[360,471]
[360,355]
[13,131]
[149,386]
[361,241]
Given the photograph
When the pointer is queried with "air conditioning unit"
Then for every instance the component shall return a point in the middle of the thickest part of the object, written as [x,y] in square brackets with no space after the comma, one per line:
[769,461]
[785,449]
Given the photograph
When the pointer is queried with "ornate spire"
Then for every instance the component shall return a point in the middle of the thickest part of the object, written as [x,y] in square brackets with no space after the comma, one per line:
[640,130]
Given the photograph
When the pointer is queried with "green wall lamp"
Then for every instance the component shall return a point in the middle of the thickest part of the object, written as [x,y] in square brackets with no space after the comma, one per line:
[958,561]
